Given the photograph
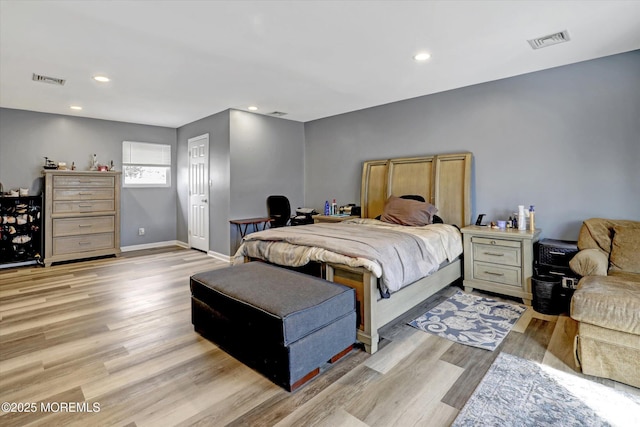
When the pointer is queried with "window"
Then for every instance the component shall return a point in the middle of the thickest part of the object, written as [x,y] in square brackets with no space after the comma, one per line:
[146,165]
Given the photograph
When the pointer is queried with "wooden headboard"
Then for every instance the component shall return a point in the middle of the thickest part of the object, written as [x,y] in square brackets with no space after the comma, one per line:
[444,180]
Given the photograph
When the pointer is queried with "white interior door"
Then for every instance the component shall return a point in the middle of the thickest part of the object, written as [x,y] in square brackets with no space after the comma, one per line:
[199,192]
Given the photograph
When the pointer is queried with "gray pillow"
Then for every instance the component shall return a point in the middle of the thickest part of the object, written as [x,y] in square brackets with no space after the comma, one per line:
[408,212]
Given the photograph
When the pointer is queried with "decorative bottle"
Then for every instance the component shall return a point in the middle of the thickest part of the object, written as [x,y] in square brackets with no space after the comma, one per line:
[532,223]
[522,218]
[334,207]
[326,208]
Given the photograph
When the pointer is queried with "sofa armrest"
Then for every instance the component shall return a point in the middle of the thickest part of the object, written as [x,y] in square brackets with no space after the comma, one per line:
[590,262]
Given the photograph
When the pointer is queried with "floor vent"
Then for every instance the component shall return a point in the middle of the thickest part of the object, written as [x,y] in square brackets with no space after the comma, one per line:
[550,40]
[277,113]
[47,79]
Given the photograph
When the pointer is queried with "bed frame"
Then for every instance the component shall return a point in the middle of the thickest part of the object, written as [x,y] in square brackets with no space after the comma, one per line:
[444,181]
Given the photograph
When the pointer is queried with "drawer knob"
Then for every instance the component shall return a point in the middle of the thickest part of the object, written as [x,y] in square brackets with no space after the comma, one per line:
[493,242]
[493,254]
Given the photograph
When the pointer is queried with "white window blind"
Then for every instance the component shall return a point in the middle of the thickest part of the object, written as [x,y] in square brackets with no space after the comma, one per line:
[145,164]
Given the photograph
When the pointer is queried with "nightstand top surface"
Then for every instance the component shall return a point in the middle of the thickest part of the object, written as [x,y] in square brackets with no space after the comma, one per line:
[506,233]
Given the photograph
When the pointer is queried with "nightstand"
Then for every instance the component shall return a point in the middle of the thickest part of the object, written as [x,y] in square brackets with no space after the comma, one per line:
[332,218]
[499,261]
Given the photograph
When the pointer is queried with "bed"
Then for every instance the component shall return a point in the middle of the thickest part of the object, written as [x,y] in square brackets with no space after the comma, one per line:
[442,180]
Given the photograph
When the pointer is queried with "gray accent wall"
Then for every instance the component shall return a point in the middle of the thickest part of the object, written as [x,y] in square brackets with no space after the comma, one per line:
[27,136]
[217,126]
[566,140]
[251,157]
[267,158]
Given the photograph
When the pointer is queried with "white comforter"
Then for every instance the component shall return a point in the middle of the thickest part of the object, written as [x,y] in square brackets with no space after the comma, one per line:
[294,246]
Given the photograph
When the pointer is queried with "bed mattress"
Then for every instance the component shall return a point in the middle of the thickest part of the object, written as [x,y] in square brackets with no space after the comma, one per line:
[397,255]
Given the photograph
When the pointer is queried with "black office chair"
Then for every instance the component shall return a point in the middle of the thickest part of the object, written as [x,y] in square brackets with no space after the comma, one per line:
[279,210]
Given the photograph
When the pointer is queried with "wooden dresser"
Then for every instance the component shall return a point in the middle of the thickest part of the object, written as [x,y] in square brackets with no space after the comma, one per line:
[82,215]
[499,261]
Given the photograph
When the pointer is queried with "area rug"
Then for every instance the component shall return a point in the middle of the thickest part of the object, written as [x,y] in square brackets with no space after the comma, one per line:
[470,319]
[518,392]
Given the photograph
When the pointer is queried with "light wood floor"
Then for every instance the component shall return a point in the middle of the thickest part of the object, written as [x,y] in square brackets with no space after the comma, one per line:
[117,332]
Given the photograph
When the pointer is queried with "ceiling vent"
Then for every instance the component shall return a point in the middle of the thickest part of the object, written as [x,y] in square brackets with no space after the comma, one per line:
[277,113]
[47,79]
[550,40]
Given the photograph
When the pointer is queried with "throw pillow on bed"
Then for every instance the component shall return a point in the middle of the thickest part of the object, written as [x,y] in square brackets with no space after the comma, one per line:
[408,212]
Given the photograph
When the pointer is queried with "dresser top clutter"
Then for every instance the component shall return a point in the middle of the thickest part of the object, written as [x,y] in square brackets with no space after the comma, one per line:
[82,214]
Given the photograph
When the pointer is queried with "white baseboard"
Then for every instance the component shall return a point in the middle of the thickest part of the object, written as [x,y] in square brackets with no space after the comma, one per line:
[221,257]
[153,245]
[213,254]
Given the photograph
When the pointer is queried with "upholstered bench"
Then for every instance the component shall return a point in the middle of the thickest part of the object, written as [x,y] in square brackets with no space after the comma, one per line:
[282,323]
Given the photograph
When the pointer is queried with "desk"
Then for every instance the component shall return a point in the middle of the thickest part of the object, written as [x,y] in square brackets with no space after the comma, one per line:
[243,224]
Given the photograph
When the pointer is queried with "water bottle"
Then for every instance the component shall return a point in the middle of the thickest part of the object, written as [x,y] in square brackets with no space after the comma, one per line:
[326,208]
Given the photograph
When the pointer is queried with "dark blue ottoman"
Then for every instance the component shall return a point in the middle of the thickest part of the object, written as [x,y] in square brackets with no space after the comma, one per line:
[280,322]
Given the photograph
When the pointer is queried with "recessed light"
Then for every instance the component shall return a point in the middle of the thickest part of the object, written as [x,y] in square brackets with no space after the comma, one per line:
[252,108]
[101,79]
[75,107]
[422,56]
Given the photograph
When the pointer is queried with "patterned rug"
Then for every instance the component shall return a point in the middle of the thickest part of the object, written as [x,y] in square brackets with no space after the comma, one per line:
[518,392]
[472,320]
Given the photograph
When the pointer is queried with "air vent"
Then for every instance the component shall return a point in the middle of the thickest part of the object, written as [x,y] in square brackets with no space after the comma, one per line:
[550,40]
[47,79]
[277,113]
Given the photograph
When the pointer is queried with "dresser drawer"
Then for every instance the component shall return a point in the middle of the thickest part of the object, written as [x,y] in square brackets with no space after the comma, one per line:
[91,242]
[504,255]
[83,181]
[77,226]
[84,207]
[497,273]
[83,194]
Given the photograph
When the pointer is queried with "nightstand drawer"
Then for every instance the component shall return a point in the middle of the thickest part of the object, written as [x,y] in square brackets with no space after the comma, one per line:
[496,242]
[503,255]
[498,274]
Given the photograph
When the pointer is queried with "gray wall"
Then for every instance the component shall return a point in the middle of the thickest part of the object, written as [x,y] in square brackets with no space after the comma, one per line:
[217,126]
[251,157]
[267,157]
[26,137]
[566,140]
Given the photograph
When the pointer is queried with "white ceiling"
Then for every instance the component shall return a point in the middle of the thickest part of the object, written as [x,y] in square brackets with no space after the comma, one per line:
[174,62]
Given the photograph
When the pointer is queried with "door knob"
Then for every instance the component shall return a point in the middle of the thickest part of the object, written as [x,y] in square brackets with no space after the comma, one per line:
[204,200]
